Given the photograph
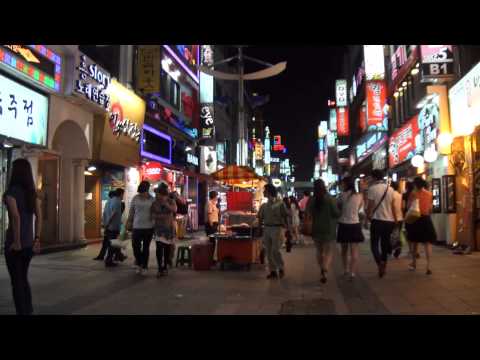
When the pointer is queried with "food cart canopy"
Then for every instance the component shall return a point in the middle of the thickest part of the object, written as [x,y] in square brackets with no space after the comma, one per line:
[236,174]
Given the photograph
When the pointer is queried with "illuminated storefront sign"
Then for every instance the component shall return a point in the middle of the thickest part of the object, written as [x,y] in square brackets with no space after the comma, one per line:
[152,171]
[148,80]
[341,92]
[208,160]
[277,144]
[437,61]
[376,100]
[374,62]
[404,142]
[37,63]
[187,57]
[464,99]
[92,82]
[342,122]
[370,144]
[23,112]
[207,95]
[403,57]
[159,112]
[333,120]
[192,159]
[331,138]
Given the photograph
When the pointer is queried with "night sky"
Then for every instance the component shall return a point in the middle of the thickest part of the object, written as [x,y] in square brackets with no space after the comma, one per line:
[298,96]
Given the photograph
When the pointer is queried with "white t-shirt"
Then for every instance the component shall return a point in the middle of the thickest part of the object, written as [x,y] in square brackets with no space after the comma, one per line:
[397,201]
[141,206]
[351,205]
[384,211]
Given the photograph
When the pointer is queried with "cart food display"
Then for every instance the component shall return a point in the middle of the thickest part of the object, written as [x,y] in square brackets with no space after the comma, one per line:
[237,242]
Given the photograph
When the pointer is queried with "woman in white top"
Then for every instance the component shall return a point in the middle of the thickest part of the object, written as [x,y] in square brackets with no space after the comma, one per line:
[349,233]
[141,222]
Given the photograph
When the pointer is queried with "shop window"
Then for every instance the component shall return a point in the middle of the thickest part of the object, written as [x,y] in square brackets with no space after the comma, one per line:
[170,90]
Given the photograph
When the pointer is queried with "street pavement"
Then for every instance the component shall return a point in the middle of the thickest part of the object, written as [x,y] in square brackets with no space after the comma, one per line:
[70,282]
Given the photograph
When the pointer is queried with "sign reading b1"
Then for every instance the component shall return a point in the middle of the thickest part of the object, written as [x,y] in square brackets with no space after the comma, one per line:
[437,61]
[341,92]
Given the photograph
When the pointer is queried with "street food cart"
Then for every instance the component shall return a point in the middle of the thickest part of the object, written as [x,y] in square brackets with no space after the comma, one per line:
[237,240]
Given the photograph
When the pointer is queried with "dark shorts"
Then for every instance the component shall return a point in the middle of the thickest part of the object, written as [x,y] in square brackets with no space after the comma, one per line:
[349,233]
[421,231]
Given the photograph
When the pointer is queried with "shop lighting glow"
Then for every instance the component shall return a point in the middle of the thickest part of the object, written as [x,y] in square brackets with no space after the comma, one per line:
[92,168]
[445,140]
[404,84]
[179,61]
[33,73]
[149,154]
[431,155]
[88,173]
[395,94]
[417,161]
[415,71]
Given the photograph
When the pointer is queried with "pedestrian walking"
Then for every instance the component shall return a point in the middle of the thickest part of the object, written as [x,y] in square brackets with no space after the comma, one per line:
[105,217]
[163,212]
[381,213]
[397,205]
[288,230]
[213,218]
[141,224]
[295,209]
[273,216]
[303,203]
[349,233]
[22,238]
[323,211]
[113,224]
[422,230]
[409,188]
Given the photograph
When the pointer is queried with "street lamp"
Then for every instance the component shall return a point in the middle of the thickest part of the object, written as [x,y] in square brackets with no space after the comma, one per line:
[271,70]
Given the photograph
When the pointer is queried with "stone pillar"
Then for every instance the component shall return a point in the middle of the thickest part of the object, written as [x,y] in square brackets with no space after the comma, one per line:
[78,205]
[66,201]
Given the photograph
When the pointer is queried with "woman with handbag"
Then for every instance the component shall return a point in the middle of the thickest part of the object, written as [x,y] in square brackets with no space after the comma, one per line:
[163,212]
[322,212]
[349,233]
[420,229]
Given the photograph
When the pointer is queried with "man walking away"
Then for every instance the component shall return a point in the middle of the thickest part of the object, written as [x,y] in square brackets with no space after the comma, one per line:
[381,213]
[113,225]
[105,217]
[273,215]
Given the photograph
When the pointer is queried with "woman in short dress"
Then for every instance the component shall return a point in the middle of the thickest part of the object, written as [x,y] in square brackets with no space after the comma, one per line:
[295,208]
[349,233]
[422,230]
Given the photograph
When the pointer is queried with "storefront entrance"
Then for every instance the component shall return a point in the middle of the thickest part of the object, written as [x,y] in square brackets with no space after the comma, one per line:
[93,207]
[3,185]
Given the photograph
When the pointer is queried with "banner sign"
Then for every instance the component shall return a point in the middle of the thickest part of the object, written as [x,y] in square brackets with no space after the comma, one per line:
[404,142]
[342,122]
[376,101]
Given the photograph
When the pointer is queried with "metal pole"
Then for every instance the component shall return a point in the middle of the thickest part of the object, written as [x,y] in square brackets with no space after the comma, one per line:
[241,131]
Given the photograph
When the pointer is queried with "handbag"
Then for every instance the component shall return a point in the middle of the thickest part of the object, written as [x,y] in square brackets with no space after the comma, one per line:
[413,213]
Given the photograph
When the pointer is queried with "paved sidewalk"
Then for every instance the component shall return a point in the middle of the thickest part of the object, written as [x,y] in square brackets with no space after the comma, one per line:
[72,283]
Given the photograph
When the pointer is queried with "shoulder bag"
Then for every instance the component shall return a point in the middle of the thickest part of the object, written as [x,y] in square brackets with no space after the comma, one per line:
[380,202]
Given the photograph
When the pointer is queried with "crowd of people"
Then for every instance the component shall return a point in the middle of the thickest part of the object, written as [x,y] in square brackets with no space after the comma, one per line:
[377,204]
[323,217]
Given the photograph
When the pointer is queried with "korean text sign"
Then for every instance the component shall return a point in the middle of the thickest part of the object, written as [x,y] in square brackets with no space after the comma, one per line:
[403,142]
[342,122]
[341,92]
[437,61]
[23,112]
[376,98]
[374,62]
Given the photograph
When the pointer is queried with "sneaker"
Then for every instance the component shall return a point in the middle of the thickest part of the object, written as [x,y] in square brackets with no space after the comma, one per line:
[272,275]
[138,270]
[412,267]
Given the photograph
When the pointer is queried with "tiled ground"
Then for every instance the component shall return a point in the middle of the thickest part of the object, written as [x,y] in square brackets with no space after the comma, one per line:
[72,283]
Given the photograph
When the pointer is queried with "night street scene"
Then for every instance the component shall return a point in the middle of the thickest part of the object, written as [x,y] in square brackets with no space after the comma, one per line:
[240,180]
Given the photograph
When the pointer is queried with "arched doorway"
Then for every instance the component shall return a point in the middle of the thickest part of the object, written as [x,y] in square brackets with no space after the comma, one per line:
[70,143]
